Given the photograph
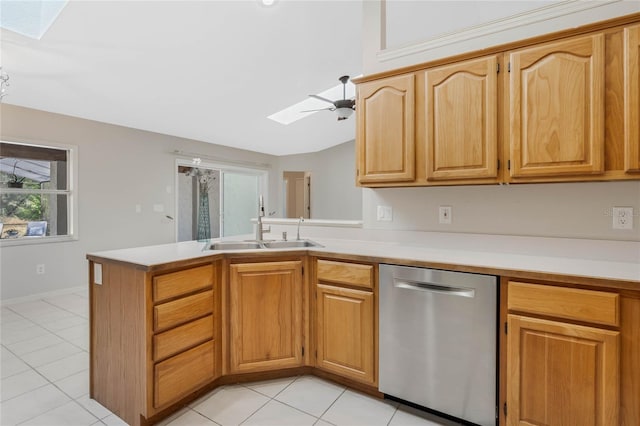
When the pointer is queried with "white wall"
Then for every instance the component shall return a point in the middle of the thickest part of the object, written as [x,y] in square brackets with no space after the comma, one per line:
[573,210]
[579,210]
[118,167]
[403,33]
[334,194]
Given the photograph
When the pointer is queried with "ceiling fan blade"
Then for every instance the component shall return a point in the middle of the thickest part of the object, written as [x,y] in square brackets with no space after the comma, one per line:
[321,98]
[322,109]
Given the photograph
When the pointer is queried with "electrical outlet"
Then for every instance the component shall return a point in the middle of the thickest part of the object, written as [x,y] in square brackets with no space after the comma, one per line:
[444,216]
[385,213]
[40,269]
[622,217]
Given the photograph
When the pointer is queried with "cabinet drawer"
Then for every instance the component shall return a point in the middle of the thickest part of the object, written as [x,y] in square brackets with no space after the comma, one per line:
[176,377]
[180,338]
[179,311]
[345,273]
[570,303]
[182,282]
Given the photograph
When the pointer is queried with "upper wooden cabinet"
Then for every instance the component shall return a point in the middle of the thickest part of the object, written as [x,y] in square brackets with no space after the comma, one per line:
[385,130]
[265,316]
[632,98]
[556,109]
[563,107]
[461,103]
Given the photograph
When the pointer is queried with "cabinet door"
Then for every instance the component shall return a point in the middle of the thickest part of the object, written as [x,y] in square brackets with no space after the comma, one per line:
[385,130]
[461,120]
[632,99]
[345,330]
[265,316]
[561,374]
[557,108]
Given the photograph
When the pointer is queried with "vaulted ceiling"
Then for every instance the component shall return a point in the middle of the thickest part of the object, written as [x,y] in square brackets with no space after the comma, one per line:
[206,70]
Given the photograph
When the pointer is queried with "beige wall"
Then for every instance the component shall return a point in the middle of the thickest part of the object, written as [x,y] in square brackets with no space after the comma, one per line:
[572,210]
[334,194]
[118,167]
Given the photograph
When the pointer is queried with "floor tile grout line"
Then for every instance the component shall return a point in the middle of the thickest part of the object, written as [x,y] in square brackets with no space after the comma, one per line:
[39,349]
[198,412]
[62,308]
[55,408]
[299,409]
[30,390]
[331,405]
[392,416]
[260,408]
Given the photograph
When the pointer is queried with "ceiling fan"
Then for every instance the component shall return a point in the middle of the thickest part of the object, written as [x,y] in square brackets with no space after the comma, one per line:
[344,107]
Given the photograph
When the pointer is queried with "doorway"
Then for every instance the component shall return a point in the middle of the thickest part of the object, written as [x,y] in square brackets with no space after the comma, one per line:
[297,194]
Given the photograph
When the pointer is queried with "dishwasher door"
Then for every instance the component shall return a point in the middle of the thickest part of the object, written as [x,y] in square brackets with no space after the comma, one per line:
[438,332]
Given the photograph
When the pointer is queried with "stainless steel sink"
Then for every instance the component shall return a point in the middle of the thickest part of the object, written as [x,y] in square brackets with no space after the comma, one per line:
[290,244]
[235,245]
[260,245]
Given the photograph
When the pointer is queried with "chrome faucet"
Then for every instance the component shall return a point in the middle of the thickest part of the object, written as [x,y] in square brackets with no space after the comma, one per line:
[260,230]
[299,222]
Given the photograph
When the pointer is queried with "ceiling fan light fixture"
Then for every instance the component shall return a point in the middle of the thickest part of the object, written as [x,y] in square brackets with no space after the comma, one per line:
[344,113]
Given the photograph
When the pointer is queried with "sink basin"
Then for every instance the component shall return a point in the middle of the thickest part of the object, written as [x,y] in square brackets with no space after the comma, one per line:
[290,244]
[235,245]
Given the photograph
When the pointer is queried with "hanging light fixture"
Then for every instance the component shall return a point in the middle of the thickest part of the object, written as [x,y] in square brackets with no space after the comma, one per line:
[4,79]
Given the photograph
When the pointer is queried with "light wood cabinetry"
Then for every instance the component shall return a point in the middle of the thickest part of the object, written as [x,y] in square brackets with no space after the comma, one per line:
[265,311]
[563,107]
[632,98]
[345,320]
[183,343]
[559,372]
[154,336]
[556,109]
[461,106]
[385,130]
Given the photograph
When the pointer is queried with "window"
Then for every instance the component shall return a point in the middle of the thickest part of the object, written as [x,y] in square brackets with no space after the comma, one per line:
[37,200]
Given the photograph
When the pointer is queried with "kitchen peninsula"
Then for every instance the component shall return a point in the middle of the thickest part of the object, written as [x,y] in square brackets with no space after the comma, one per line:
[171,322]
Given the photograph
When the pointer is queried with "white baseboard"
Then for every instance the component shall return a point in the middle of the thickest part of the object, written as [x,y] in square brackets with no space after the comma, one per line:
[39,296]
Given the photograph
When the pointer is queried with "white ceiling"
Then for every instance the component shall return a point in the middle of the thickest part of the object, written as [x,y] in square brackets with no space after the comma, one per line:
[206,70]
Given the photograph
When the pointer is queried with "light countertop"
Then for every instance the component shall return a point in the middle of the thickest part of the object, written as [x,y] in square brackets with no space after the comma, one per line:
[611,260]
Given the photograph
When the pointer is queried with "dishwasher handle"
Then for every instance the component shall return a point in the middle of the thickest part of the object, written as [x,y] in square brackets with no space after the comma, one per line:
[433,288]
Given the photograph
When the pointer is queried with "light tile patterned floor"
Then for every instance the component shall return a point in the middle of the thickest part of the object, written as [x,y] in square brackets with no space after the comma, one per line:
[44,363]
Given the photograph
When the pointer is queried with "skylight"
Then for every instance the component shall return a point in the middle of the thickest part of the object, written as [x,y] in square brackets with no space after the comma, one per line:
[30,18]
[294,112]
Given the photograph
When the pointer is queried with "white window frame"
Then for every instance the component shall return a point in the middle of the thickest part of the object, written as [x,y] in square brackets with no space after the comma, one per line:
[71,192]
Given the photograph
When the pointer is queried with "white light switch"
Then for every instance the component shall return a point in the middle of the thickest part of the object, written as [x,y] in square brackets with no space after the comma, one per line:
[385,213]
[158,208]
[97,273]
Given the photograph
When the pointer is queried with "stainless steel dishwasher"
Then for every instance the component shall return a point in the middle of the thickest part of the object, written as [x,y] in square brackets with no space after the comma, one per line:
[438,334]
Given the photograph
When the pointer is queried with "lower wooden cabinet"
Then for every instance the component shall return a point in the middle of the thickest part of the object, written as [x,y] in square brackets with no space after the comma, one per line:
[345,332]
[345,319]
[177,376]
[265,316]
[559,373]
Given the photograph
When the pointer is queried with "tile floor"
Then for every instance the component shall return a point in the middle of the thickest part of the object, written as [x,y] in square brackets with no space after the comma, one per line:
[45,381]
